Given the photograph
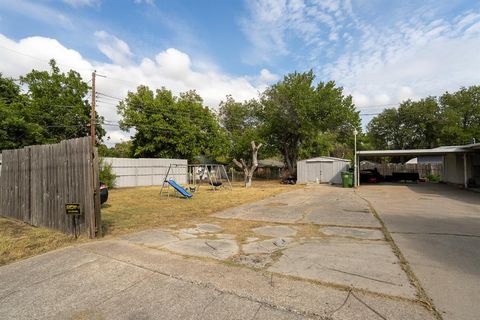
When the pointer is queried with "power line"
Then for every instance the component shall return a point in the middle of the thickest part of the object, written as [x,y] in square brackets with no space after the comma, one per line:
[107,102]
[109,96]
[126,81]
[43,60]
[106,96]
[381,105]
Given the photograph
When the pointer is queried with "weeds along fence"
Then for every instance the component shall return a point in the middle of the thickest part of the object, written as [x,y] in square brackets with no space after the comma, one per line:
[146,171]
[423,169]
[37,182]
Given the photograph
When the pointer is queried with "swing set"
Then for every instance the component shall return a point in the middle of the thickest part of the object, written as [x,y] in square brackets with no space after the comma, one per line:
[214,174]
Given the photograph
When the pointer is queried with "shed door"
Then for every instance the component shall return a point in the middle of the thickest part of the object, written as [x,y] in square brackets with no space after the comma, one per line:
[326,173]
[323,171]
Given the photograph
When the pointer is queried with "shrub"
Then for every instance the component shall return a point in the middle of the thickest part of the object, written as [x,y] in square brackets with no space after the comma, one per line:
[106,174]
[433,178]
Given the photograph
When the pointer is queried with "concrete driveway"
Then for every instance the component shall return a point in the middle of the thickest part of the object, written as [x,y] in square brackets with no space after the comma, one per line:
[437,228]
[316,253]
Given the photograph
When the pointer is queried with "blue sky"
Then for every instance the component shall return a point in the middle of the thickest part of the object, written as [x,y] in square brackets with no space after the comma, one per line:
[381,52]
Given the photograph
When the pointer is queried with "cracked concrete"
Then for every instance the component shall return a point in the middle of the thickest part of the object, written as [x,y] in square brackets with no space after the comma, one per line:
[151,238]
[275,231]
[318,255]
[203,228]
[128,281]
[334,207]
[367,234]
[369,265]
[216,249]
[437,228]
[268,246]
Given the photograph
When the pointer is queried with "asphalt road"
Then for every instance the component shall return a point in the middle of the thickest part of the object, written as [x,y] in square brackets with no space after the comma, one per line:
[437,228]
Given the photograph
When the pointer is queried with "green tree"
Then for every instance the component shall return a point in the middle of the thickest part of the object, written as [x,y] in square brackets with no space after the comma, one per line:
[54,107]
[414,125]
[171,127]
[320,144]
[452,119]
[384,130]
[106,174]
[17,125]
[420,123]
[58,103]
[120,150]
[460,122]
[294,113]
[241,122]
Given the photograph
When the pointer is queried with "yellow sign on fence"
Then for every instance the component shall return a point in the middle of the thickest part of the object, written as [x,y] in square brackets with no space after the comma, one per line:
[72,209]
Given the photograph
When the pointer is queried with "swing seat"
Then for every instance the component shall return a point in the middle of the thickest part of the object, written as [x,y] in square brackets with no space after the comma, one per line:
[216,184]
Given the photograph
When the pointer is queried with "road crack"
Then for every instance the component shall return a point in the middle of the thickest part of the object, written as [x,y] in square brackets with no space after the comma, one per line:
[423,298]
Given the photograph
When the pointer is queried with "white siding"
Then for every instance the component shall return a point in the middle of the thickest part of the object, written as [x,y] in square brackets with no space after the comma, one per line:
[325,169]
[453,168]
[146,172]
[454,172]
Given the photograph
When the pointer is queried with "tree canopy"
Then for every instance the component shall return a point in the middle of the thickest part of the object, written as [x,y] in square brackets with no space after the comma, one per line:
[242,125]
[52,107]
[120,150]
[298,117]
[460,116]
[452,119]
[168,126]
[295,118]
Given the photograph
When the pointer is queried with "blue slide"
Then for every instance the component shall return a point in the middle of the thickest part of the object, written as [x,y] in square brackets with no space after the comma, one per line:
[181,190]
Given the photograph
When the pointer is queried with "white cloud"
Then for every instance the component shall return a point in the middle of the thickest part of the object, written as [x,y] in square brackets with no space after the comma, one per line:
[408,56]
[174,63]
[82,3]
[413,60]
[149,2]
[115,49]
[272,24]
[267,77]
[170,68]
[38,12]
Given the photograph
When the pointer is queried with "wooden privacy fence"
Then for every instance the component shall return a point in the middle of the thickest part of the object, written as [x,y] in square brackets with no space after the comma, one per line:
[37,182]
[423,169]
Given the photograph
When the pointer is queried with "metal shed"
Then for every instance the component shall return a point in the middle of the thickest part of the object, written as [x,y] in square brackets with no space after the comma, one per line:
[322,169]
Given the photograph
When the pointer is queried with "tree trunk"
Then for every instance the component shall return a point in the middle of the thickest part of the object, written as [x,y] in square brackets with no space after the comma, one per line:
[249,170]
[248,180]
[290,161]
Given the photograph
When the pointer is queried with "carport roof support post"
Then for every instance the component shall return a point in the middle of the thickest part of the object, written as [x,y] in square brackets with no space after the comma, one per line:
[357,171]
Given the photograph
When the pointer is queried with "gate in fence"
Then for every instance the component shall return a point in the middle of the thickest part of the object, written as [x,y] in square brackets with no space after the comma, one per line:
[54,186]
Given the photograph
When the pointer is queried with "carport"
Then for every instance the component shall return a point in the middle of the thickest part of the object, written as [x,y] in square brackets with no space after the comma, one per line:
[460,163]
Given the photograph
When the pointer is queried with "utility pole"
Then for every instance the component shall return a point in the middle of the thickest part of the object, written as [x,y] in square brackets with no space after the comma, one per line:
[355,164]
[92,116]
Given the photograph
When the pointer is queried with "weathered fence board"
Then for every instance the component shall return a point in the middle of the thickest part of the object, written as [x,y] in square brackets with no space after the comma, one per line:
[387,169]
[37,181]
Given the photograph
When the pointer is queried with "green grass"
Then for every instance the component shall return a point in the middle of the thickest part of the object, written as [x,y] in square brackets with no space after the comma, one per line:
[133,209]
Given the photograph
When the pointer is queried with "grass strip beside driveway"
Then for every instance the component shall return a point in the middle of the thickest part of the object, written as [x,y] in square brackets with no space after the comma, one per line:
[133,209]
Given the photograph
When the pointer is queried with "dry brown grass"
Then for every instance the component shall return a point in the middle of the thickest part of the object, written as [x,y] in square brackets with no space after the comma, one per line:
[19,240]
[135,209]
